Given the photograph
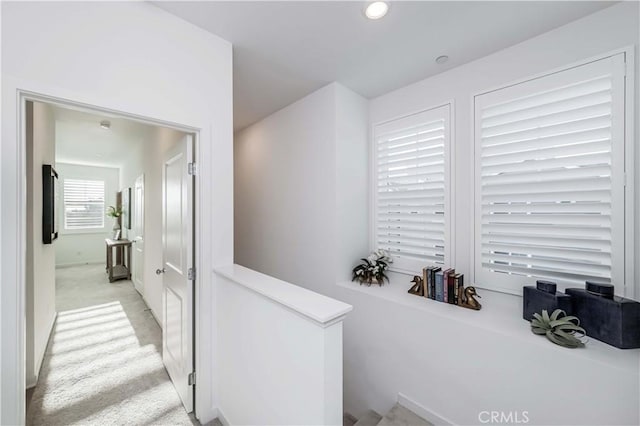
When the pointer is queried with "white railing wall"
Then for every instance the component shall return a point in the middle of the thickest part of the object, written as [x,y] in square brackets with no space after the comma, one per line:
[279,351]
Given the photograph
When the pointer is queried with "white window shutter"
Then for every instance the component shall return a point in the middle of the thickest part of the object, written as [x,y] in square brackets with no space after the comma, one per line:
[411,189]
[83,204]
[549,179]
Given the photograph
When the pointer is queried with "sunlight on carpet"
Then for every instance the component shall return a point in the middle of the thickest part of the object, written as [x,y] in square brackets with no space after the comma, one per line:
[103,364]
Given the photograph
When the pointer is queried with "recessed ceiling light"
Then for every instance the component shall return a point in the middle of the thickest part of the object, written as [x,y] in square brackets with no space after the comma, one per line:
[377,10]
[442,59]
[105,124]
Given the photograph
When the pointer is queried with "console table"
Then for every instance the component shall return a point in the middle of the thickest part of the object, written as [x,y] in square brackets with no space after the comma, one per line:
[122,269]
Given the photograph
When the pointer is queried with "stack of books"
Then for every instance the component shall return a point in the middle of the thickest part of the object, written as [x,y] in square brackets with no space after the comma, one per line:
[443,285]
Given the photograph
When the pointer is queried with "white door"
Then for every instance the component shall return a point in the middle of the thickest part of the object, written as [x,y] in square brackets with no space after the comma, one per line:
[138,234]
[177,288]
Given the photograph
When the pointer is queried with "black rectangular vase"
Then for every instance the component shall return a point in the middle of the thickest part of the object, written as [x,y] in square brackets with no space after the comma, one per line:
[543,297]
[605,317]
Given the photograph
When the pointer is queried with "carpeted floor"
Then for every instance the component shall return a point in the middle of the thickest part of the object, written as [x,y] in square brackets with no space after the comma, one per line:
[103,364]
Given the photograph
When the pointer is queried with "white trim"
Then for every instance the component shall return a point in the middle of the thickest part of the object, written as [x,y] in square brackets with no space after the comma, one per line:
[450,168]
[15,331]
[71,265]
[631,290]
[575,64]
[422,411]
[317,308]
[221,417]
[40,357]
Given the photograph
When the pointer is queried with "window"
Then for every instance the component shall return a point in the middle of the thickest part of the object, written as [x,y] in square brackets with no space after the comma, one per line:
[83,204]
[411,189]
[550,179]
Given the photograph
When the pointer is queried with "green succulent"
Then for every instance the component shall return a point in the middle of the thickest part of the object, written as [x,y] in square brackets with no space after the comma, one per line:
[561,329]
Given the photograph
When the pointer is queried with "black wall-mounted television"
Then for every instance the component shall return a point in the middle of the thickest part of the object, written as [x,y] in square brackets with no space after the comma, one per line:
[49,204]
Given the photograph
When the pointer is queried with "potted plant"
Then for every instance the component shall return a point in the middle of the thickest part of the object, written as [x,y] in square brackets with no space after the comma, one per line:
[115,213]
[373,268]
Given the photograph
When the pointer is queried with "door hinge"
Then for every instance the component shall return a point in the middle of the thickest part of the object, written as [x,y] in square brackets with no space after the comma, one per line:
[192,169]
[191,274]
[191,379]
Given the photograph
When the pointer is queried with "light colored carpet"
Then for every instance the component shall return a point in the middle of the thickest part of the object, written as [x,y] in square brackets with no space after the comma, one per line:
[103,364]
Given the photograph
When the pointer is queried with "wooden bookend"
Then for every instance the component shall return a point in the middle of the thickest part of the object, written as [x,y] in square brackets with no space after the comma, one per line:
[418,287]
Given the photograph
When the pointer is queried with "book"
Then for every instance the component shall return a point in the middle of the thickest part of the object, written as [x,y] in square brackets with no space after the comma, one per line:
[423,292]
[451,287]
[425,280]
[432,282]
[445,285]
[456,292]
[439,286]
[460,288]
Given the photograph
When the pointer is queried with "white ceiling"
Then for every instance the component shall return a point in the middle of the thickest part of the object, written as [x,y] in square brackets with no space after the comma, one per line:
[81,140]
[285,50]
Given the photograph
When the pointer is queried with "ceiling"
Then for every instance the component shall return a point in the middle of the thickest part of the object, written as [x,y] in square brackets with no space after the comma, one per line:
[286,50]
[81,140]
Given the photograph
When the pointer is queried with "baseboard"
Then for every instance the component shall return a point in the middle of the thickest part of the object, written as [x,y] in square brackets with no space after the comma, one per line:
[40,357]
[222,418]
[153,314]
[71,265]
[427,414]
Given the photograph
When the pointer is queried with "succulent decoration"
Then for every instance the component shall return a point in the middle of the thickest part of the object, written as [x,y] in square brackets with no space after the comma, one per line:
[373,268]
[561,329]
[114,212]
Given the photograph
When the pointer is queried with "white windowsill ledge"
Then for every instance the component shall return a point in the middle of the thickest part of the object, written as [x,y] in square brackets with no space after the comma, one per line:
[317,307]
[501,313]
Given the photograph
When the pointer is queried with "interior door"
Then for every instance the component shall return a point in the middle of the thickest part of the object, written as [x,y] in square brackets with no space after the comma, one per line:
[177,288]
[138,234]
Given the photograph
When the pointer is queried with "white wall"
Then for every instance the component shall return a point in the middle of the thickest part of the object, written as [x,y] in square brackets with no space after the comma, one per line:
[41,285]
[147,160]
[454,369]
[130,57]
[75,247]
[280,351]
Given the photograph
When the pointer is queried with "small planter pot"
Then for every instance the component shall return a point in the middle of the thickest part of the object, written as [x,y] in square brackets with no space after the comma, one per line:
[368,282]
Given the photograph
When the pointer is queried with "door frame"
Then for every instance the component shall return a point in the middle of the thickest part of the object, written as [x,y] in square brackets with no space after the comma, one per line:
[203,328]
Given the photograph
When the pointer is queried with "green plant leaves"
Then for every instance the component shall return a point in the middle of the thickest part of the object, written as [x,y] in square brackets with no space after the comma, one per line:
[560,328]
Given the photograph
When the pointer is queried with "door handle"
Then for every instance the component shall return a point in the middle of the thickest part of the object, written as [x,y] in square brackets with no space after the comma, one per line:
[160,271]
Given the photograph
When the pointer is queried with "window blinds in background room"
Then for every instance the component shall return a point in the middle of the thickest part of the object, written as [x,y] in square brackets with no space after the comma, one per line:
[411,193]
[83,204]
[550,179]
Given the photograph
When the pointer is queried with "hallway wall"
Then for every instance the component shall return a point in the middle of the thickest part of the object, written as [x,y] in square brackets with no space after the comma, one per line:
[147,160]
[40,268]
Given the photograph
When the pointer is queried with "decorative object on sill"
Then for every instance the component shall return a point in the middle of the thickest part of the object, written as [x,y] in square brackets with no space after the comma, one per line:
[611,319]
[561,329]
[468,300]
[418,287]
[543,297]
[115,213]
[372,269]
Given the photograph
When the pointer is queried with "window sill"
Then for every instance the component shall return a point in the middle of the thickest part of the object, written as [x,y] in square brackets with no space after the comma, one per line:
[501,313]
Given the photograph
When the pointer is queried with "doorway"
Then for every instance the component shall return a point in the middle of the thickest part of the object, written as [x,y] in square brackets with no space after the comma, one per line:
[99,323]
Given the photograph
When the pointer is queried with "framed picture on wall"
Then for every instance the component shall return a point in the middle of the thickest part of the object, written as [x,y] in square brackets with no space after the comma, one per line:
[50,200]
[126,208]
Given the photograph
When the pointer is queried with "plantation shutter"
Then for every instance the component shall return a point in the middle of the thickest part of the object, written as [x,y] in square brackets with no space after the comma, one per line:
[411,189]
[83,204]
[550,179]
